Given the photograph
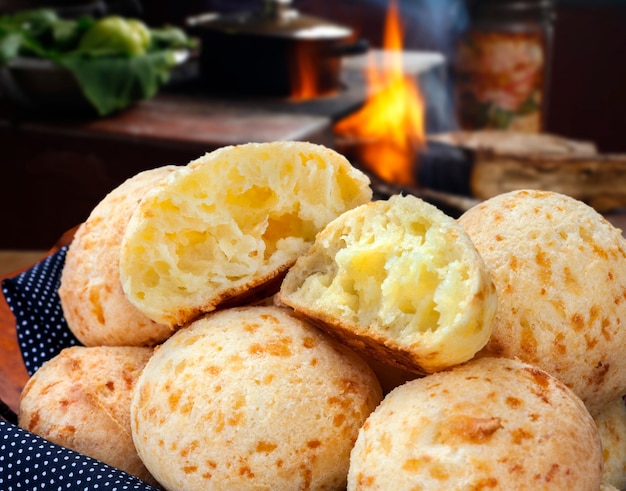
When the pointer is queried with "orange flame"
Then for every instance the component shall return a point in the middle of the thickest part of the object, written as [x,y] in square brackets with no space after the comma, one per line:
[390,125]
[303,80]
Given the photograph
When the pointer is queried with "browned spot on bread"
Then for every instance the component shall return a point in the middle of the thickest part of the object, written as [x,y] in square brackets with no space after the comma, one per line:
[339,419]
[541,381]
[365,480]
[280,347]
[34,420]
[412,465]
[544,262]
[438,471]
[578,322]
[251,326]
[487,483]
[463,428]
[560,344]
[520,434]
[265,447]
[513,402]
[174,399]
[528,341]
[591,341]
[309,342]
[599,373]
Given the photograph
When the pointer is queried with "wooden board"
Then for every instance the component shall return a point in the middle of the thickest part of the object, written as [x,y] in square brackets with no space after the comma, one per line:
[504,161]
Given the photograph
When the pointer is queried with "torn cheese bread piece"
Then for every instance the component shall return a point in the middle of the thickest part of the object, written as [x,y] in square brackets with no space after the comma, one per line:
[397,280]
[226,227]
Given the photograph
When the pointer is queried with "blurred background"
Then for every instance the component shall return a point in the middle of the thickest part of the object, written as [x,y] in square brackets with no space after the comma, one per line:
[587,97]
[58,165]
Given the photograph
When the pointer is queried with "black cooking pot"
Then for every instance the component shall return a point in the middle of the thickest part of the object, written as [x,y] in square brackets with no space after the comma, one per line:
[264,52]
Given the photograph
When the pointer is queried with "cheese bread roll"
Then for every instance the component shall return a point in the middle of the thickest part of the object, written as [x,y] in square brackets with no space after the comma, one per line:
[94,304]
[611,423]
[251,398]
[80,399]
[560,272]
[398,280]
[491,423]
[228,225]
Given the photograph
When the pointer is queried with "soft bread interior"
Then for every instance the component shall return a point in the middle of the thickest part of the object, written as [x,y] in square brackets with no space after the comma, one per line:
[230,221]
[400,271]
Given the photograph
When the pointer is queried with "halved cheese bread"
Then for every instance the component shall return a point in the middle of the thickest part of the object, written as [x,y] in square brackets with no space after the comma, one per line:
[397,280]
[226,227]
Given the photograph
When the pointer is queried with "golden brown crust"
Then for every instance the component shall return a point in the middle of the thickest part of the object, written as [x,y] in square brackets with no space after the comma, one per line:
[80,399]
[94,304]
[491,423]
[559,269]
[251,398]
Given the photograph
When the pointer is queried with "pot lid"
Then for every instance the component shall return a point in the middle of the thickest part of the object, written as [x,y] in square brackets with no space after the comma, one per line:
[276,18]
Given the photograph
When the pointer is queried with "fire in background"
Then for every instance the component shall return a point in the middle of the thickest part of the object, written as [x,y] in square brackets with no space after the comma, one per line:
[389,128]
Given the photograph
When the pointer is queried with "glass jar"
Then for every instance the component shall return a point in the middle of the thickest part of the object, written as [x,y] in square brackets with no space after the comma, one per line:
[501,66]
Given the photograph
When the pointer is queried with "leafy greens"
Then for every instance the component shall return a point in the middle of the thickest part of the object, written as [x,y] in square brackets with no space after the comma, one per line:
[109,81]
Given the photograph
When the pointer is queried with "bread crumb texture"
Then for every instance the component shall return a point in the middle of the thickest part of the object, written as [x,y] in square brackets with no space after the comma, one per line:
[230,221]
[401,274]
[560,273]
[492,423]
[251,398]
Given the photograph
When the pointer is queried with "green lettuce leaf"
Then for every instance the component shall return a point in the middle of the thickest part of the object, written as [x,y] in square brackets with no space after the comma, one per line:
[113,83]
[108,82]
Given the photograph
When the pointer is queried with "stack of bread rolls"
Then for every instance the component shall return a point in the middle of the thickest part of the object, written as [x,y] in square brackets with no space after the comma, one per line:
[303,336]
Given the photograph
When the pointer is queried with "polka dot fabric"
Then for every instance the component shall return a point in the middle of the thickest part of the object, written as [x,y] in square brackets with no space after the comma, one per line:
[33,463]
[32,297]
[27,461]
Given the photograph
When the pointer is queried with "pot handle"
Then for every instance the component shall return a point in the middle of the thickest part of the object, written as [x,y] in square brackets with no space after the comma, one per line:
[357,47]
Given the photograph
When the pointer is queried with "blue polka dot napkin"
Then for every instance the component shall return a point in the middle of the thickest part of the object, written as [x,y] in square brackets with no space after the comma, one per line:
[27,461]
[32,297]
